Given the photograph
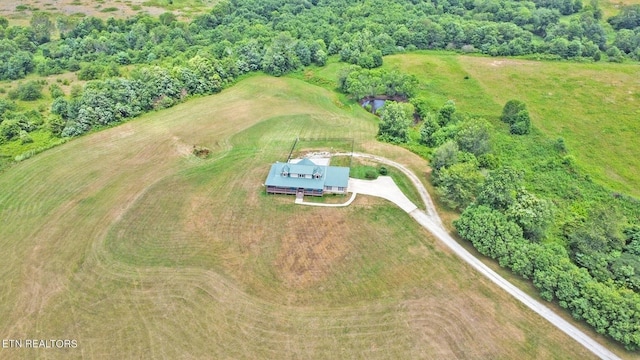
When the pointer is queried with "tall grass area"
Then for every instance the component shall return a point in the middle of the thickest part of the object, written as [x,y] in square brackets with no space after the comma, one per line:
[593,107]
[129,244]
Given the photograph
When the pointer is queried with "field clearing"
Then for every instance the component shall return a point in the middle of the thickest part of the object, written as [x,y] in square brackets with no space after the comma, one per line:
[594,107]
[19,11]
[612,7]
[124,241]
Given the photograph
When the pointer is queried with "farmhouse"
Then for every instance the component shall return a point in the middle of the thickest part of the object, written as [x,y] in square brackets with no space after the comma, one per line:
[307,178]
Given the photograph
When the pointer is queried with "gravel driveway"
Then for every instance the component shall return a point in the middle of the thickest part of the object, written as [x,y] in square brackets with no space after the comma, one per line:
[385,187]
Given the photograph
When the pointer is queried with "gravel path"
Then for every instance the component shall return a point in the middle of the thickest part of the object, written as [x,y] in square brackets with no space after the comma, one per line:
[431,221]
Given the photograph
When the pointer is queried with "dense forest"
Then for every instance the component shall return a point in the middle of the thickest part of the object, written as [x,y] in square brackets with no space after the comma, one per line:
[579,244]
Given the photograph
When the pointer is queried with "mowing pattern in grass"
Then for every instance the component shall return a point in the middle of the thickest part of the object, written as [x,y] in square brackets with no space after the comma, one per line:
[137,249]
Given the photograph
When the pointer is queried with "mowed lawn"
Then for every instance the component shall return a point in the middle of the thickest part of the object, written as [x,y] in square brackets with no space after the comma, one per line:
[594,107]
[128,244]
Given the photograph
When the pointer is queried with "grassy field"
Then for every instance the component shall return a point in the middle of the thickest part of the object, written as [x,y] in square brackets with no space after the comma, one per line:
[19,11]
[125,242]
[612,7]
[594,107]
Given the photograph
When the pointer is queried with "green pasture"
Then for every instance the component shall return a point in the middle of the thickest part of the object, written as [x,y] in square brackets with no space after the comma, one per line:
[593,107]
[129,244]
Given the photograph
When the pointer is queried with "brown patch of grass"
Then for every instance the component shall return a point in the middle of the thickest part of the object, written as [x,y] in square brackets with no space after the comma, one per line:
[310,246]
[107,8]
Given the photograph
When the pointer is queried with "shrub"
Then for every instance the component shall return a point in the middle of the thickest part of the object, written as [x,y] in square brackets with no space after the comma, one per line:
[73,65]
[34,118]
[90,72]
[522,124]
[25,138]
[515,114]
[9,131]
[511,110]
[489,161]
[201,152]
[5,106]
[29,91]
[56,125]
[55,91]
[560,145]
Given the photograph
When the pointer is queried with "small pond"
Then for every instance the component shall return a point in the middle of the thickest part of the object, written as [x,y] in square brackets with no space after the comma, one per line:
[375,104]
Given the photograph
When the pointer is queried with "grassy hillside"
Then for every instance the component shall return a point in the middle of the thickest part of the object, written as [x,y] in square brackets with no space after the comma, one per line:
[129,244]
[594,107]
[19,12]
[612,7]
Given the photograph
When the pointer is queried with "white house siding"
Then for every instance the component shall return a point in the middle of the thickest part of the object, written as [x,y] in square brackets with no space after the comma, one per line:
[335,190]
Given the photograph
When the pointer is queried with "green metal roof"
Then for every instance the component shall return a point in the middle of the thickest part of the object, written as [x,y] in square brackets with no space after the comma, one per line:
[305,167]
[279,175]
[337,176]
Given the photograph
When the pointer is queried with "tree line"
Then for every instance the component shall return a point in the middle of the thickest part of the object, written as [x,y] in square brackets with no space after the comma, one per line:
[279,37]
[358,32]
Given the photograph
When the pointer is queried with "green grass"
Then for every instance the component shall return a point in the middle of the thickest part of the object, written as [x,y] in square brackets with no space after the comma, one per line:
[442,78]
[190,5]
[594,107]
[124,241]
[612,7]
[406,186]
[366,172]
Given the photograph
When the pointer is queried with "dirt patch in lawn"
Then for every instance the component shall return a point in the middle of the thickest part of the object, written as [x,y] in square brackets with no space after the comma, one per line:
[311,246]
[104,9]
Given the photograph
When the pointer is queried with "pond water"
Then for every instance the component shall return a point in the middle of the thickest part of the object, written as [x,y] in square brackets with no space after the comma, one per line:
[375,104]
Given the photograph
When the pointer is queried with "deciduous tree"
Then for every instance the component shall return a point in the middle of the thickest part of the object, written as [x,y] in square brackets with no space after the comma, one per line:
[458,184]
[474,136]
[395,120]
[42,27]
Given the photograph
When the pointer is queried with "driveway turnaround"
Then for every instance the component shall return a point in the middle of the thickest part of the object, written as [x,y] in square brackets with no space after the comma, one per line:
[431,221]
[383,187]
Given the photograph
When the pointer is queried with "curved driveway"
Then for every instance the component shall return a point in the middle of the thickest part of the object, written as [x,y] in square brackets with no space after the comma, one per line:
[431,221]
